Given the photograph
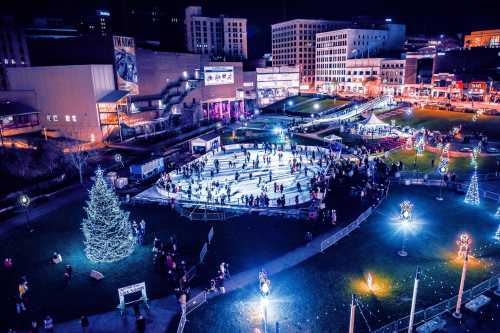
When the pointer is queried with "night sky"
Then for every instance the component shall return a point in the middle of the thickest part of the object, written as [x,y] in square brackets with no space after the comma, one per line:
[421,17]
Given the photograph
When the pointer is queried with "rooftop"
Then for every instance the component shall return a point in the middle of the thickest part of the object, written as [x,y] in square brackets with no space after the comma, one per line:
[10,108]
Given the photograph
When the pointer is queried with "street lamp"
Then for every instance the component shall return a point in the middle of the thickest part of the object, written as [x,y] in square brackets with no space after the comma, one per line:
[289,103]
[464,242]
[316,106]
[414,300]
[442,171]
[24,202]
[265,290]
[406,210]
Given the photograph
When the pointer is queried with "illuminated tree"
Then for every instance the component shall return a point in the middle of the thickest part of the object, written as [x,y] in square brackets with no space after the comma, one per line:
[107,229]
[472,196]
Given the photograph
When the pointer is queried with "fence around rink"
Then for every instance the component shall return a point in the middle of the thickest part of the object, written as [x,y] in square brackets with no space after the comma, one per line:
[439,308]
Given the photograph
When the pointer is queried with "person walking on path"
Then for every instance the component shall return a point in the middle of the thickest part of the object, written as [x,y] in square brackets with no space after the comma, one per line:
[84,321]
[48,324]
[140,324]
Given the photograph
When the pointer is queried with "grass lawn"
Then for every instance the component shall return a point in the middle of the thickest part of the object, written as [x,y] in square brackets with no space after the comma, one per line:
[324,104]
[459,165]
[444,121]
[278,106]
[244,242]
[315,296]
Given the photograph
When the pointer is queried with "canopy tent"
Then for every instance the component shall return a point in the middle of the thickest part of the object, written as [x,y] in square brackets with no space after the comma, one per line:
[332,138]
[373,123]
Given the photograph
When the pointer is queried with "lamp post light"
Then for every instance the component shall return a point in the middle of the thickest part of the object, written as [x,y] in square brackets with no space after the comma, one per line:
[24,202]
[414,300]
[406,221]
[353,314]
[464,243]
[442,172]
[265,289]
[289,103]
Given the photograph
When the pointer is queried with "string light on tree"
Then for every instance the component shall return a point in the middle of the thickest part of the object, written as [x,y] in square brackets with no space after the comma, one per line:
[107,229]
[472,196]
[444,159]
[464,242]
[409,143]
[443,168]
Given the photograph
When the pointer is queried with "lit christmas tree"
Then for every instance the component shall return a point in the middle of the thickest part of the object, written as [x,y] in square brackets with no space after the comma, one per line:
[443,162]
[420,147]
[472,196]
[107,229]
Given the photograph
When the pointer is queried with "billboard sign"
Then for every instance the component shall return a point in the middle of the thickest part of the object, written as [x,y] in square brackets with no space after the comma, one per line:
[217,75]
[125,64]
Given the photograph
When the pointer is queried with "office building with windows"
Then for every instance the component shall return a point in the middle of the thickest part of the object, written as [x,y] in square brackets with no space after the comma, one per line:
[484,38]
[334,48]
[220,37]
[13,50]
[294,44]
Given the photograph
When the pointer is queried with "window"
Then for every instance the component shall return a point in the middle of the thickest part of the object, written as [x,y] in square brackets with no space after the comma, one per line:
[49,117]
[73,118]
[68,118]
[55,118]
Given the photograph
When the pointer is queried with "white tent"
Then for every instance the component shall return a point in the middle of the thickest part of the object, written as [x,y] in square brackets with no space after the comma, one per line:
[332,138]
[373,123]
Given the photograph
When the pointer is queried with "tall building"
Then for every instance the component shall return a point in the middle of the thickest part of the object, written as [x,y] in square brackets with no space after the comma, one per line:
[484,38]
[99,23]
[294,44]
[13,50]
[220,37]
[334,48]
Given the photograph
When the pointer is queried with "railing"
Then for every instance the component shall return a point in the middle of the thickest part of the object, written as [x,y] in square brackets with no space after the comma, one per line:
[195,302]
[345,231]
[192,305]
[440,308]
[182,322]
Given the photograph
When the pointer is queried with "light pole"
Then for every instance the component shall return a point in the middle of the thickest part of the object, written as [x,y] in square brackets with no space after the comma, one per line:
[406,221]
[265,289]
[414,300]
[24,202]
[464,243]
[353,314]
[442,172]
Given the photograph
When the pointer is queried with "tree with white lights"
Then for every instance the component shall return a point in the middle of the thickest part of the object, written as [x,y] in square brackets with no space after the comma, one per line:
[472,196]
[107,229]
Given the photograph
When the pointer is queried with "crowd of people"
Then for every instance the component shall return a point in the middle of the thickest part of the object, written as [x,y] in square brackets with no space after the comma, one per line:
[220,181]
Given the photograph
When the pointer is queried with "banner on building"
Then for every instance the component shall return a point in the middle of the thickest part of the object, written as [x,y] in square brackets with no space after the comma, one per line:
[125,64]
[216,75]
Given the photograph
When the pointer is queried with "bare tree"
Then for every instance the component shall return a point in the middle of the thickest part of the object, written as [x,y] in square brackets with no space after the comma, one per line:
[77,157]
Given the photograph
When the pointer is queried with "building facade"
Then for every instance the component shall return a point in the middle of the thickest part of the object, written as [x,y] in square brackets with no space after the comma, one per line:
[484,38]
[67,97]
[99,23]
[13,49]
[277,83]
[334,48]
[363,76]
[220,37]
[294,44]
[393,76]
